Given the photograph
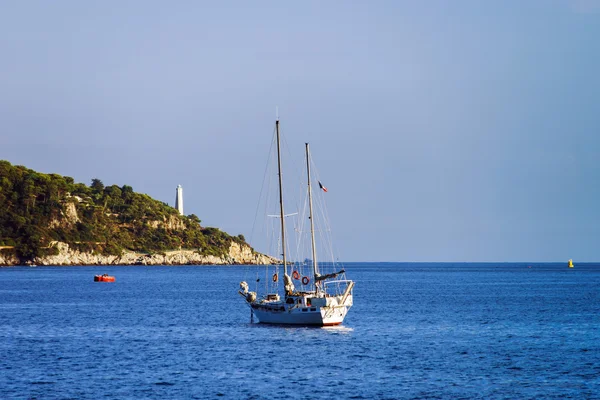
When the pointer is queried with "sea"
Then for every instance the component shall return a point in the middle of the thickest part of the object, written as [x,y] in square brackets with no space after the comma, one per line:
[416,331]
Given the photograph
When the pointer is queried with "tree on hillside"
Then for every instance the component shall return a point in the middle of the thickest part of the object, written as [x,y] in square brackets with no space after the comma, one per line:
[194,218]
[126,190]
[97,185]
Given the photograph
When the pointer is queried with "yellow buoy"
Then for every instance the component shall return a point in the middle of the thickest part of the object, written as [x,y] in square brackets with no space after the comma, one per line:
[570,263]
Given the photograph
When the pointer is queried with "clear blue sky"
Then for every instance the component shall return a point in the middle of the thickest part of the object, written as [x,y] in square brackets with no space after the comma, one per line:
[445,131]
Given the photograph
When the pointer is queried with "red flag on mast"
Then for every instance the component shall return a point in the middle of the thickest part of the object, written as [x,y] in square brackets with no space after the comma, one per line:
[322,187]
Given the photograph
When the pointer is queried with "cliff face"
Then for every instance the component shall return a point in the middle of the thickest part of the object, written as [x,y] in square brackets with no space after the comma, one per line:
[68,217]
[238,254]
[172,223]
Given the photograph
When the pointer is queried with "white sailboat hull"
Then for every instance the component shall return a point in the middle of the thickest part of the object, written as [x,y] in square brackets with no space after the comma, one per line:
[322,316]
[332,312]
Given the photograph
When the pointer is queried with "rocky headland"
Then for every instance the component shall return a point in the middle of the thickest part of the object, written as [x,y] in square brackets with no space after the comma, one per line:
[48,219]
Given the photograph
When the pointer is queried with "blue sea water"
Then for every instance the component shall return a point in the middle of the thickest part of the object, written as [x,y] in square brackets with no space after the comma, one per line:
[448,331]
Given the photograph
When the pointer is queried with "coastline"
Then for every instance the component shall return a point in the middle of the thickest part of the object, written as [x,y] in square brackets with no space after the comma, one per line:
[237,255]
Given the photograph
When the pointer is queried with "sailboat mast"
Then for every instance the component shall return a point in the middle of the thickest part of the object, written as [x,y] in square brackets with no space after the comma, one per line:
[310,216]
[281,199]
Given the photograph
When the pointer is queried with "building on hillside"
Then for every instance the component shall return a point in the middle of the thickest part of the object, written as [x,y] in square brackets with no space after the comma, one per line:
[179,199]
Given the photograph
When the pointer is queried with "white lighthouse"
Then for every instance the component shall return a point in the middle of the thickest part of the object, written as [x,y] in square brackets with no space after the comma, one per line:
[179,199]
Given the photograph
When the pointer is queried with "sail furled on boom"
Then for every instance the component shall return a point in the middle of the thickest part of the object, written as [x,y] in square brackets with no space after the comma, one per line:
[329,276]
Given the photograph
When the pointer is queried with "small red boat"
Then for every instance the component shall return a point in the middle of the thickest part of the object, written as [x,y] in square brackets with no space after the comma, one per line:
[104,278]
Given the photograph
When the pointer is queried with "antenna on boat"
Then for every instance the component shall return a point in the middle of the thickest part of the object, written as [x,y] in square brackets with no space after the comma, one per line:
[276,113]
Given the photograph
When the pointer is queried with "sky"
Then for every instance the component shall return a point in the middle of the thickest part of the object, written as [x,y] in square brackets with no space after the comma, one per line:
[444,130]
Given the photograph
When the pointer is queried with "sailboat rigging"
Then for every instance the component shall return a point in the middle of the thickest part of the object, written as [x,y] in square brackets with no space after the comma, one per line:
[325,301]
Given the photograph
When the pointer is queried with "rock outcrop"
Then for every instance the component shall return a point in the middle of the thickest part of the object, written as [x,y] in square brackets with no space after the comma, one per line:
[8,258]
[238,254]
[171,223]
[67,218]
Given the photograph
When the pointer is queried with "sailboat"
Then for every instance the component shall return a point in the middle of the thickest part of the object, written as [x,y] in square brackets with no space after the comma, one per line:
[323,299]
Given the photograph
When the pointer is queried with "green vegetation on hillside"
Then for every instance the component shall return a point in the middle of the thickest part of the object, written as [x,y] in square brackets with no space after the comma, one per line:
[37,208]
